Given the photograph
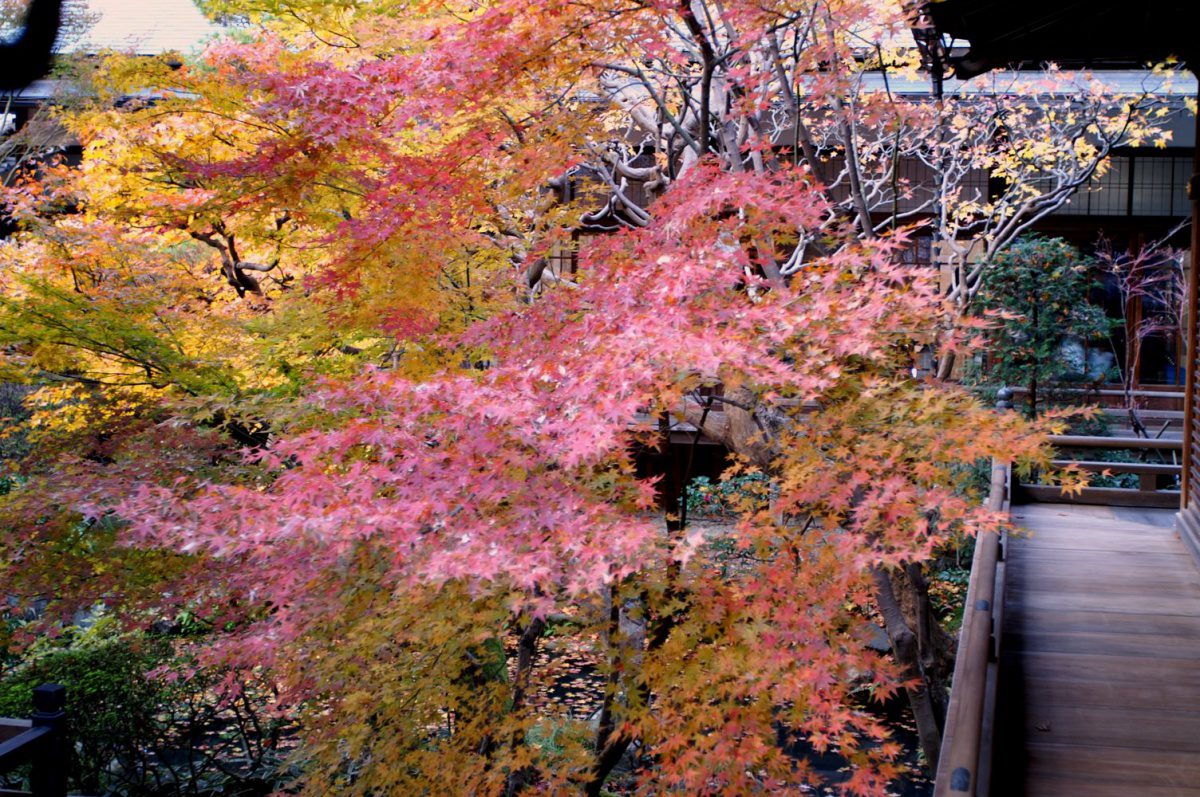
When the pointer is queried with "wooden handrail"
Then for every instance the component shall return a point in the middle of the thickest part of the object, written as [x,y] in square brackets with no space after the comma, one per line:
[20,748]
[1146,494]
[1128,443]
[1104,391]
[1112,392]
[1095,466]
[965,749]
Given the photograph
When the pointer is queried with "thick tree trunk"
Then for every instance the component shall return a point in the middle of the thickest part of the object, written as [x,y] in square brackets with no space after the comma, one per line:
[907,653]
[911,588]
[627,638]
[945,366]
[935,646]
[606,724]
[744,428]
[526,651]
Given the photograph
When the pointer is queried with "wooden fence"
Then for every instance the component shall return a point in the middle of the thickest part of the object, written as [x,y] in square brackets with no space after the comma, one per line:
[41,741]
[1150,492]
[965,763]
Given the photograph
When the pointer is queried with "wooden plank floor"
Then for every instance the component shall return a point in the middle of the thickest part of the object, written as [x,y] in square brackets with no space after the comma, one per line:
[1099,689]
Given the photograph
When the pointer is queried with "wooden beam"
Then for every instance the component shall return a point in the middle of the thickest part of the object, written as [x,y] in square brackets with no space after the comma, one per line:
[1133,443]
[21,747]
[12,727]
[1189,401]
[1107,496]
[1145,468]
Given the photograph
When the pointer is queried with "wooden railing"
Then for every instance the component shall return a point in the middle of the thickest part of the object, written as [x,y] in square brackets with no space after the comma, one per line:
[964,767]
[1146,494]
[1114,392]
[40,740]
[966,759]
[1158,410]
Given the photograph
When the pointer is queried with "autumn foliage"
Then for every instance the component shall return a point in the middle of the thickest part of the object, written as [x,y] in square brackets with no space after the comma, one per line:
[301,366]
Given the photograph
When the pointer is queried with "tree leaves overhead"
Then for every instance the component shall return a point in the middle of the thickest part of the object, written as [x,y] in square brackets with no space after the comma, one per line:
[363,239]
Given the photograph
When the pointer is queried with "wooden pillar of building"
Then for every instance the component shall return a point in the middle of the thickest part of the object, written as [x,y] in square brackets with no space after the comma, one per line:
[1189,510]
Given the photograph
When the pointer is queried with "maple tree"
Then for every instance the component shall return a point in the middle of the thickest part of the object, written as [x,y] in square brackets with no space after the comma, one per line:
[332,231]
[1150,281]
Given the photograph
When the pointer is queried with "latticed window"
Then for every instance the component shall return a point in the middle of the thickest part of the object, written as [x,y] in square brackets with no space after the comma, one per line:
[1135,185]
[919,252]
[564,257]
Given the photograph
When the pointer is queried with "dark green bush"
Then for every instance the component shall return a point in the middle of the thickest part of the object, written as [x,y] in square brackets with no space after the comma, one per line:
[135,732]
[727,497]
[110,702]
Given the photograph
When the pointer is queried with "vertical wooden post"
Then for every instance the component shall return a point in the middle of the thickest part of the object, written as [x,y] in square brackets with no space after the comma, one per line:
[1189,508]
[48,777]
[1190,438]
[672,482]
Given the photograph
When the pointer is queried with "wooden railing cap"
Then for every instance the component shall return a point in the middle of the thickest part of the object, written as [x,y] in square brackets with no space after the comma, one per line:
[49,698]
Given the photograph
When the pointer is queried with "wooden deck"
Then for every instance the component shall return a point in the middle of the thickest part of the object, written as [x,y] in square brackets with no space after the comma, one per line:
[1099,691]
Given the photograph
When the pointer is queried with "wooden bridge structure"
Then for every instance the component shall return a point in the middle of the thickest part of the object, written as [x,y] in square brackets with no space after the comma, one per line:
[1078,672]
[1099,666]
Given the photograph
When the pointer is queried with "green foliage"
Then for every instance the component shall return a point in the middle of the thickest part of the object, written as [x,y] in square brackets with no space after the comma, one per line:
[1126,480]
[1095,424]
[553,737]
[1037,292]
[727,497]
[14,442]
[948,591]
[143,719]
[974,479]
[493,660]
[110,702]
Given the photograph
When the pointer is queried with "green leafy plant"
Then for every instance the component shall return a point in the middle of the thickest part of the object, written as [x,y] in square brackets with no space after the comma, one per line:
[1037,294]
[726,497]
[146,721]
[947,592]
